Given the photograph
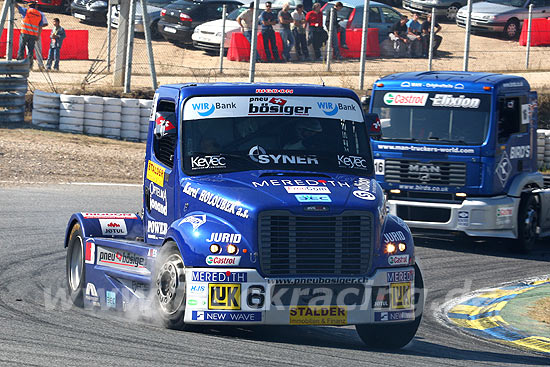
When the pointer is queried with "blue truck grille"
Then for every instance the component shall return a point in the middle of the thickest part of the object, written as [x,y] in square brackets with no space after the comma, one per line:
[433,173]
[318,245]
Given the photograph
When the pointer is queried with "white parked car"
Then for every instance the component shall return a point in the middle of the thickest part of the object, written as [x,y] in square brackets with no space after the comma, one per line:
[207,36]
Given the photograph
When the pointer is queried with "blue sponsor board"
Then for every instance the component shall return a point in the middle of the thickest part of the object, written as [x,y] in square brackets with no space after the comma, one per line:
[400,276]
[313,198]
[219,277]
[394,315]
[226,316]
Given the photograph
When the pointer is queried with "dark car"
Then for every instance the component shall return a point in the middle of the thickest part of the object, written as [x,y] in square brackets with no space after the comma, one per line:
[179,19]
[91,11]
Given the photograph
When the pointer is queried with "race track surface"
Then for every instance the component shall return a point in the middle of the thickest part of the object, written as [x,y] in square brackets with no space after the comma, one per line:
[39,327]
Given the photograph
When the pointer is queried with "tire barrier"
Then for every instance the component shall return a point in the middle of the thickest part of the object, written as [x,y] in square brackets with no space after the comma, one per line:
[129,129]
[13,87]
[112,108]
[71,113]
[543,149]
[145,112]
[93,115]
[45,111]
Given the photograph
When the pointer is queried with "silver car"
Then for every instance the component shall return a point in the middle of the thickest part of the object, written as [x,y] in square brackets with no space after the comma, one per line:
[153,10]
[502,16]
[443,8]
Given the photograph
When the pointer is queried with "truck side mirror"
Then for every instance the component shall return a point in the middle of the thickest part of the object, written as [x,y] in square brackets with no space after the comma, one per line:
[373,123]
[164,124]
[365,102]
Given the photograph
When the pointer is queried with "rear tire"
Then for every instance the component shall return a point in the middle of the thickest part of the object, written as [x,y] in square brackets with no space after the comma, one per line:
[527,224]
[76,271]
[450,15]
[394,336]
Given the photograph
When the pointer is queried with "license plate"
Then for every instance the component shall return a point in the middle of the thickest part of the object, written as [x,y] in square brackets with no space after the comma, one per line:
[170,29]
[224,296]
[80,16]
[400,295]
[318,315]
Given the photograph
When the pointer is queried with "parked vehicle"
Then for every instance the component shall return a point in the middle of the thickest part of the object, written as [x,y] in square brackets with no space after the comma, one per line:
[502,16]
[92,11]
[154,8]
[446,9]
[207,36]
[179,19]
[61,6]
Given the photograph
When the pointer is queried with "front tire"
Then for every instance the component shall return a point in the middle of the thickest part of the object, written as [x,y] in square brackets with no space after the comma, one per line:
[169,286]
[395,336]
[511,29]
[527,224]
[76,271]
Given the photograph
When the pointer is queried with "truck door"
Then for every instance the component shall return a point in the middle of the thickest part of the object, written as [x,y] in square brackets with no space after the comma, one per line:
[159,180]
[514,153]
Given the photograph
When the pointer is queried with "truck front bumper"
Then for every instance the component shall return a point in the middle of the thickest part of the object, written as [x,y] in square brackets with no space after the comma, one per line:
[476,217]
[243,296]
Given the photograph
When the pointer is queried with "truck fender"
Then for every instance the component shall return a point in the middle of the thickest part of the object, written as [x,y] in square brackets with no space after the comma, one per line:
[523,180]
[111,225]
[396,231]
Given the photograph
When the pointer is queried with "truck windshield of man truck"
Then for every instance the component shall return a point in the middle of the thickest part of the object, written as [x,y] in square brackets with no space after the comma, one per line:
[433,118]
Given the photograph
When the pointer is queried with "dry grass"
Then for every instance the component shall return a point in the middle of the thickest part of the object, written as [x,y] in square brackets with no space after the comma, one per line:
[540,311]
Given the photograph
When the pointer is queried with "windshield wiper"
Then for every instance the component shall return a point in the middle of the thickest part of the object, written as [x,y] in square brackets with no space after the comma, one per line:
[459,141]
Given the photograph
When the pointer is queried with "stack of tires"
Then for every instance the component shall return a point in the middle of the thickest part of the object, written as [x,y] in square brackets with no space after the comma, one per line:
[546,164]
[112,115]
[130,127]
[71,113]
[145,112]
[541,141]
[93,115]
[45,109]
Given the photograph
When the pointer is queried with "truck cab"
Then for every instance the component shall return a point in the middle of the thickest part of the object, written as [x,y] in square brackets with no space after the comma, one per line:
[457,152]
[259,207]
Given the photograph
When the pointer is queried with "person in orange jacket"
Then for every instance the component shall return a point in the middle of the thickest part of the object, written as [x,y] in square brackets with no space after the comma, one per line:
[33,21]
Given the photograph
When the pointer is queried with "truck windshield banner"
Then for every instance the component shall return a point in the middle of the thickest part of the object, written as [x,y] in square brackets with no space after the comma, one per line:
[292,106]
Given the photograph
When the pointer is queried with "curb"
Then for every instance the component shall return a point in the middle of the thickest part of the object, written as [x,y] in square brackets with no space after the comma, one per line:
[480,315]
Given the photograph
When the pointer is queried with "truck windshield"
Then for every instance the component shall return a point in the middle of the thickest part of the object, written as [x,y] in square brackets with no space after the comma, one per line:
[276,142]
[433,118]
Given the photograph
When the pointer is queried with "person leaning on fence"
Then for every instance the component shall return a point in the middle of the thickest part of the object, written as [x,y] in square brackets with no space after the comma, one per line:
[426,29]
[245,20]
[299,32]
[32,23]
[414,33]
[267,20]
[335,30]
[57,36]
[399,36]
[285,18]
[317,35]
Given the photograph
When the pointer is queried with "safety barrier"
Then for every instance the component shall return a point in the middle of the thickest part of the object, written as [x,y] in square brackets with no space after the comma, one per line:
[543,148]
[75,45]
[45,109]
[13,87]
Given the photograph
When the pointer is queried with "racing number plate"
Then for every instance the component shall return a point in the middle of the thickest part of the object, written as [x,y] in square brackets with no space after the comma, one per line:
[400,295]
[224,296]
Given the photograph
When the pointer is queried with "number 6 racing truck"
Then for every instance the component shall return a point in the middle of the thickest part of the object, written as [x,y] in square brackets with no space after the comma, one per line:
[260,207]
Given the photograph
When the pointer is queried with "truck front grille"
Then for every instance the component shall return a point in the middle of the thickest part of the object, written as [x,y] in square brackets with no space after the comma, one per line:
[432,173]
[318,245]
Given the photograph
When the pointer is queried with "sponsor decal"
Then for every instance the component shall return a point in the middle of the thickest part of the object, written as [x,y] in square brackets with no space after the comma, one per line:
[425,148]
[424,172]
[208,162]
[204,109]
[152,252]
[424,188]
[159,228]
[214,260]
[195,220]
[400,295]
[525,113]
[161,208]
[405,99]
[303,198]
[463,218]
[89,257]
[91,294]
[364,195]
[397,236]
[512,84]
[155,173]
[216,201]
[518,152]
[504,168]
[163,126]
[259,155]
[113,227]
[224,237]
[394,315]
[261,106]
[379,167]
[439,85]
[226,316]
[448,100]
[505,212]
[410,84]
[363,184]
[219,277]
[274,91]
[196,302]
[197,290]
[332,108]
[380,297]
[109,215]
[317,280]
[110,299]
[459,86]
[352,161]
[119,259]
[224,296]
[307,189]
[157,191]
[318,315]
[326,183]
[316,208]
[396,260]
[400,276]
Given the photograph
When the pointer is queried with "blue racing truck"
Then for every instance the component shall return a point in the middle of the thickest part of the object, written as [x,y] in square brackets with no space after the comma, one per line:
[259,207]
[457,152]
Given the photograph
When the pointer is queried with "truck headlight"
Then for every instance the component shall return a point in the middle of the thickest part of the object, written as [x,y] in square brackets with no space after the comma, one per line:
[390,248]
[232,249]
[402,247]
[215,248]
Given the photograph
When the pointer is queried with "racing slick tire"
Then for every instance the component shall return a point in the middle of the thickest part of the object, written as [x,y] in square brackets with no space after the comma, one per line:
[527,224]
[394,336]
[169,287]
[76,270]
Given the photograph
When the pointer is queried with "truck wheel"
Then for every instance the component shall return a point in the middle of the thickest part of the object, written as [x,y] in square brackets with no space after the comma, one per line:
[169,286]
[76,272]
[511,29]
[394,336]
[527,224]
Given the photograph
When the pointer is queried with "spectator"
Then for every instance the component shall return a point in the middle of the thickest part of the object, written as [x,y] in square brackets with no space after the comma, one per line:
[32,23]
[268,20]
[245,20]
[414,34]
[399,37]
[426,28]
[288,39]
[317,35]
[337,29]
[299,32]
[57,36]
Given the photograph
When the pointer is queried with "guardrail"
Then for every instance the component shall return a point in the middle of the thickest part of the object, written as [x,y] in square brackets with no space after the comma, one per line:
[13,87]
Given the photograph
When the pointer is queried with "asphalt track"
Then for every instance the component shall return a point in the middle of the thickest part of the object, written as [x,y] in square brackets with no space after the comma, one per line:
[38,326]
